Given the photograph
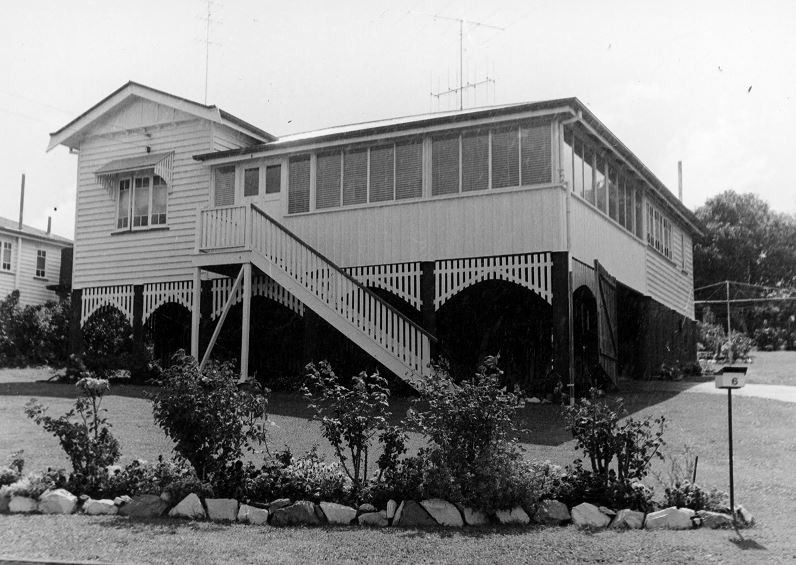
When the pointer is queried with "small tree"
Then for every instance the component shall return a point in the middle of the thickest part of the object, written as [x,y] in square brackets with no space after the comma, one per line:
[88,442]
[351,417]
[211,419]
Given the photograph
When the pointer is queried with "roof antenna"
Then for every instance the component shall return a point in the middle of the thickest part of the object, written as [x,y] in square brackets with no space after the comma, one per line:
[209,20]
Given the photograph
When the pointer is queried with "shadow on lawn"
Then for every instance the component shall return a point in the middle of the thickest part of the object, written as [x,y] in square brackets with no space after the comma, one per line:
[158,526]
[46,389]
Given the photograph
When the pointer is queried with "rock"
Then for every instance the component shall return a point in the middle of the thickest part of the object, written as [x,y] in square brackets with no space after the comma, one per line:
[669,519]
[22,505]
[551,513]
[392,506]
[338,514]
[4,500]
[743,516]
[97,507]
[607,511]
[373,519]
[144,506]
[533,400]
[515,516]
[690,513]
[58,501]
[279,503]
[443,512]
[122,500]
[189,507]
[302,513]
[411,515]
[473,517]
[252,515]
[166,497]
[366,508]
[628,519]
[222,509]
[587,515]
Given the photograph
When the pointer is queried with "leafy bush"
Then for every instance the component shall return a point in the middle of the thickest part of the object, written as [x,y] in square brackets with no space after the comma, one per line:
[13,472]
[35,484]
[88,442]
[737,347]
[582,485]
[595,425]
[211,419]
[177,478]
[305,478]
[351,417]
[711,337]
[690,495]
[474,457]
[34,334]
[107,342]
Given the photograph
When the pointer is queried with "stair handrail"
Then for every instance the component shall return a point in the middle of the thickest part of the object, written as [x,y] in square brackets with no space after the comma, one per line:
[334,266]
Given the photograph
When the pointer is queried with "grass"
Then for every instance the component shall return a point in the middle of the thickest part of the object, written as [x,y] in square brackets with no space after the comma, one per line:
[765,456]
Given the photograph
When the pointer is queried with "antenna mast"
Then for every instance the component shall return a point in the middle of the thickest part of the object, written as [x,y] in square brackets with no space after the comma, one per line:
[208,20]
[462,86]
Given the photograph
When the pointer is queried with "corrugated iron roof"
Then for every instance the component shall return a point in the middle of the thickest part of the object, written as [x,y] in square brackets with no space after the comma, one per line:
[9,225]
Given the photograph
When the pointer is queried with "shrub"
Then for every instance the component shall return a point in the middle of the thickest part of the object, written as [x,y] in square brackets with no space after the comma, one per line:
[351,417]
[107,342]
[474,457]
[34,334]
[737,347]
[177,478]
[690,495]
[582,485]
[13,472]
[88,442]
[35,484]
[211,419]
[595,425]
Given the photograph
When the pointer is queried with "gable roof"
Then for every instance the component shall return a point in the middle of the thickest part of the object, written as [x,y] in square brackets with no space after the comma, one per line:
[12,226]
[69,134]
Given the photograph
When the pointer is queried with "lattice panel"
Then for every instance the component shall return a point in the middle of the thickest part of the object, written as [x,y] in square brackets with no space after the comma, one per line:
[157,294]
[402,279]
[261,286]
[118,296]
[532,270]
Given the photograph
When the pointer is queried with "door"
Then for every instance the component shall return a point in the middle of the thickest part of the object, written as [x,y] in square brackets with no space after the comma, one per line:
[606,306]
[260,183]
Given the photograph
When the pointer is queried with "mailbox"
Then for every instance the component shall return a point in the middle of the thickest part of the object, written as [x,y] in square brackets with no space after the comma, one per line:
[731,379]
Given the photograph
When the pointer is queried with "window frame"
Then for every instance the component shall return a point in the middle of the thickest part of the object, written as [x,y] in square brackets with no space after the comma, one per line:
[41,273]
[131,177]
[6,246]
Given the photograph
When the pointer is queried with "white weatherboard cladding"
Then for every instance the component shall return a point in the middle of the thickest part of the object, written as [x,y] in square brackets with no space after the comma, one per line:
[489,223]
[32,290]
[667,282]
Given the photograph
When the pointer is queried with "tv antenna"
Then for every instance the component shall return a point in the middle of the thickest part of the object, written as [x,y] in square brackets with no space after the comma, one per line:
[462,86]
[209,20]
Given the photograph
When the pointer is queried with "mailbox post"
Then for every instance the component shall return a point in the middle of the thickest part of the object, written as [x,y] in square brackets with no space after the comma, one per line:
[730,378]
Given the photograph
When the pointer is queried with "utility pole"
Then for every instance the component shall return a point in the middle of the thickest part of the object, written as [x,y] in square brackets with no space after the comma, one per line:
[462,86]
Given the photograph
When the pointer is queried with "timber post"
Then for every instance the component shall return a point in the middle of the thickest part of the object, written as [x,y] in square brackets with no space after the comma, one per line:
[196,312]
[427,295]
[245,321]
[139,361]
[75,330]
[562,316]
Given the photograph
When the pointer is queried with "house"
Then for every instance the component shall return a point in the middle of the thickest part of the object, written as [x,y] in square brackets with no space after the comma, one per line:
[527,229]
[30,261]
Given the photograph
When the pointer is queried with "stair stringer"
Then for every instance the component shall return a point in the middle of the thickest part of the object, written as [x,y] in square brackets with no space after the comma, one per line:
[334,318]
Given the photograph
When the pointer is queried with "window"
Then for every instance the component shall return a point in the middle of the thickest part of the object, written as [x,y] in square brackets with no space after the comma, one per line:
[639,213]
[225,186]
[475,161]
[445,165]
[5,256]
[600,184]
[355,177]
[142,201]
[659,231]
[251,182]
[536,157]
[327,180]
[298,195]
[41,263]
[588,175]
[408,170]
[505,158]
[273,179]
[382,173]
[568,163]
[613,193]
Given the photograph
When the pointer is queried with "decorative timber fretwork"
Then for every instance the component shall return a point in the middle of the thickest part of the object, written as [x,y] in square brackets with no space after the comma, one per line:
[118,296]
[401,279]
[157,294]
[531,270]
[261,286]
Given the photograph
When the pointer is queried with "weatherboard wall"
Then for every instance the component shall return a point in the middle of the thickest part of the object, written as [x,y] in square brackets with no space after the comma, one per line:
[32,289]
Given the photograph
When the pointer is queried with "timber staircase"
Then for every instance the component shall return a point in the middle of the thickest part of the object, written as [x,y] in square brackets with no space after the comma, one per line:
[235,235]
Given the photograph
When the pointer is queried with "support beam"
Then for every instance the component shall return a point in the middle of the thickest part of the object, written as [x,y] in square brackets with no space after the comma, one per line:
[227,305]
[562,317]
[138,367]
[75,331]
[196,312]
[427,295]
[246,322]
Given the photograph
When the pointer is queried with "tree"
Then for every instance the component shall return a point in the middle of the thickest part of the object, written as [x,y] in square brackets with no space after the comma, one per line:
[744,241]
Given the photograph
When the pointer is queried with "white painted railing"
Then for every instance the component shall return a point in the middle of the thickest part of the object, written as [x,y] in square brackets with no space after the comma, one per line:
[386,327]
[223,227]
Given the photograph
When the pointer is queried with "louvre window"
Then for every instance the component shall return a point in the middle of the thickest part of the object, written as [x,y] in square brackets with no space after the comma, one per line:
[382,173]
[327,181]
[273,179]
[225,186]
[355,177]
[408,170]
[535,154]
[505,158]
[251,182]
[298,196]
[475,161]
[445,165]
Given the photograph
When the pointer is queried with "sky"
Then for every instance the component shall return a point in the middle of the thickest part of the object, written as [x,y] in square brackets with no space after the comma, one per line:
[710,83]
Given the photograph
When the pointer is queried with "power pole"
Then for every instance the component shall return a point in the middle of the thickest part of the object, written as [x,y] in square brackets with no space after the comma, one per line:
[462,86]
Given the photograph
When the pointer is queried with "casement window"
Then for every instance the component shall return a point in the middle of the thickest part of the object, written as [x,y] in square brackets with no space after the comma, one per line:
[5,256]
[142,202]
[253,179]
[41,263]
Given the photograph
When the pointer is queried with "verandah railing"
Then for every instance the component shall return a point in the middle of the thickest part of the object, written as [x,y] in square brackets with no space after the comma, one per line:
[250,227]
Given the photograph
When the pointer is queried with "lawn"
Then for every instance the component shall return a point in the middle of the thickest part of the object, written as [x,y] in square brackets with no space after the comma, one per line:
[765,456]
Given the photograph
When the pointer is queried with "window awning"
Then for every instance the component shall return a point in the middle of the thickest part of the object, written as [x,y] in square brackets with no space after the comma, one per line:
[160,163]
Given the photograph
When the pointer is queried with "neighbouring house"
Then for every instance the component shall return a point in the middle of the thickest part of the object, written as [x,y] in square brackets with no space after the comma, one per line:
[525,229]
[31,261]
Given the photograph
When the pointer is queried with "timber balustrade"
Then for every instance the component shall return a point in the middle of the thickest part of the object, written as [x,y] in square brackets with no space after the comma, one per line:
[250,228]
